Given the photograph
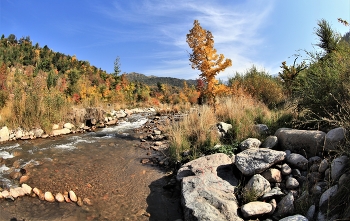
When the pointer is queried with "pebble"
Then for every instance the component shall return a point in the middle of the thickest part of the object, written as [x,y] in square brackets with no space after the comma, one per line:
[14,193]
[59,197]
[80,202]
[49,197]
[23,179]
[27,189]
[72,196]
[66,197]
[5,193]
[87,202]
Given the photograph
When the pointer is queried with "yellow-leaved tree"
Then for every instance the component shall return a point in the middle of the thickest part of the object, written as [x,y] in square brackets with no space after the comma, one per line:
[206,60]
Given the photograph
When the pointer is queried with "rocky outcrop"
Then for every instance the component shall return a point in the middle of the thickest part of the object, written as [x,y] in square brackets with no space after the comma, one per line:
[292,176]
[208,189]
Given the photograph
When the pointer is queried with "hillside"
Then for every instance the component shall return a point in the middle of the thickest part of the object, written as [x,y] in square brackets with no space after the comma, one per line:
[154,80]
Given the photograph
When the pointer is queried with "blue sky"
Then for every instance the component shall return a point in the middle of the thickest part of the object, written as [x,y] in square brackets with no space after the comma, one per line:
[149,36]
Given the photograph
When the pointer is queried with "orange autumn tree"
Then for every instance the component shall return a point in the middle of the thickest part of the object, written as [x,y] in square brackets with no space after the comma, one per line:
[205,59]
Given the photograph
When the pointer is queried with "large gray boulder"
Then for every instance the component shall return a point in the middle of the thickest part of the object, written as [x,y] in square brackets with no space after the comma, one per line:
[208,197]
[208,188]
[253,161]
[206,164]
[305,142]
[334,138]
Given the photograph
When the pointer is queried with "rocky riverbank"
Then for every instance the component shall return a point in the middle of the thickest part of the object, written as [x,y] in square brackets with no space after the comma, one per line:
[290,176]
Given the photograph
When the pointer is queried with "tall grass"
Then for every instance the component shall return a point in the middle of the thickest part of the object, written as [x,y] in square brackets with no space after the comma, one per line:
[197,133]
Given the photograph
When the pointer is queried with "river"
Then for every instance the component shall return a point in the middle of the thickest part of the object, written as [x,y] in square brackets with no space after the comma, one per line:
[102,166]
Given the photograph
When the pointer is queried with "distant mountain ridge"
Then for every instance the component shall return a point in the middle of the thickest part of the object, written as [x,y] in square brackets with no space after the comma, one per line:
[153,80]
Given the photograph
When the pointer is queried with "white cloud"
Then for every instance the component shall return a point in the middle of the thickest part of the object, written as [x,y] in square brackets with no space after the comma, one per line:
[235,28]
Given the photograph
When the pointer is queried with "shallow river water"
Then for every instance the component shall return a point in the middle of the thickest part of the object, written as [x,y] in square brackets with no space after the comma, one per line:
[103,166]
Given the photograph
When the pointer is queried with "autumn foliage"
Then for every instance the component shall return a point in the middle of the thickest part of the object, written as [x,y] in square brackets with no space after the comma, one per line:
[205,59]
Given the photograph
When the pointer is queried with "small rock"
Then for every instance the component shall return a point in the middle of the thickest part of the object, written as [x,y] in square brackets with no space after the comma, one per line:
[311,212]
[256,208]
[5,194]
[269,142]
[23,179]
[80,201]
[323,166]
[72,196]
[272,175]
[15,175]
[286,170]
[337,167]
[297,160]
[14,193]
[145,160]
[59,197]
[294,218]
[87,202]
[66,197]
[49,197]
[250,143]
[291,183]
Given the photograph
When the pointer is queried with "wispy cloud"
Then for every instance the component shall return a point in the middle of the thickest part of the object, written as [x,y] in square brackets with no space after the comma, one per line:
[235,28]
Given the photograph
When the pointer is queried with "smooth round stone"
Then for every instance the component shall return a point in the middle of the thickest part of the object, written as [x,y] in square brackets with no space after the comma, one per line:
[49,197]
[23,179]
[59,197]
[72,196]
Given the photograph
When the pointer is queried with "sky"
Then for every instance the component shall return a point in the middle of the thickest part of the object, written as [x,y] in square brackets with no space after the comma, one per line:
[149,36]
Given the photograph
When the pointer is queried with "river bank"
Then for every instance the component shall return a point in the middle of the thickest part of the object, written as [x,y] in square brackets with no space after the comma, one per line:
[109,172]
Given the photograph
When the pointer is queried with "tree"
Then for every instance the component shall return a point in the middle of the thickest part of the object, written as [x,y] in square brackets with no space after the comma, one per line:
[116,72]
[328,38]
[205,59]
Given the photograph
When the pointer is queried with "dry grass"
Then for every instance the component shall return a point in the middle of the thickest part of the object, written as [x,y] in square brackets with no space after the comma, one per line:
[195,133]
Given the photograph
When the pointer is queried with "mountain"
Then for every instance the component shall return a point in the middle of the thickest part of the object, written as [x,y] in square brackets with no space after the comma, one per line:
[154,80]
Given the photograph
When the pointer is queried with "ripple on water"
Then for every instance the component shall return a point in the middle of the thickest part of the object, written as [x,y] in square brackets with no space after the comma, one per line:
[6,155]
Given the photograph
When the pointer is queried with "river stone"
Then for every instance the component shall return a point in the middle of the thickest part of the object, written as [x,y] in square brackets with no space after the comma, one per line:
[72,196]
[272,175]
[60,131]
[55,127]
[311,212]
[68,126]
[276,191]
[297,160]
[80,201]
[49,197]
[253,161]
[301,141]
[328,194]
[258,184]
[59,197]
[87,202]
[19,134]
[292,183]
[334,138]
[323,166]
[4,134]
[27,189]
[66,197]
[270,142]
[256,208]
[206,164]
[285,207]
[14,193]
[249,144]
[208,197]
[23,179]
[286,170]
[337,167]
[273,203]
[294,218]
[5,194]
